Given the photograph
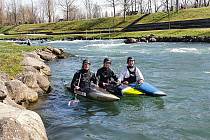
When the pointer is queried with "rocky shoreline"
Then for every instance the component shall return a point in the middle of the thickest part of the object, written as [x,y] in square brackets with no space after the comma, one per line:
[153,38]
[16,122]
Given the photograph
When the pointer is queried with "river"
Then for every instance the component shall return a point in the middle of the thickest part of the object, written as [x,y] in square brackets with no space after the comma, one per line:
[181,70]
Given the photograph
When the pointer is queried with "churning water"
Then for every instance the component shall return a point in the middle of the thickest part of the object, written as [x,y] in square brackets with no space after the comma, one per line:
[181,70]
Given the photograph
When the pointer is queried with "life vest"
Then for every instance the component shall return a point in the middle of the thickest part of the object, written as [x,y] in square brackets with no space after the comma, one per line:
[132,76]
[85,80]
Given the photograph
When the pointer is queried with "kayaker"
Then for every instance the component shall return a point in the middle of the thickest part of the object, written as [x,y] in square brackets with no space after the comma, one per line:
[131,73]
[82,79]
[105,75]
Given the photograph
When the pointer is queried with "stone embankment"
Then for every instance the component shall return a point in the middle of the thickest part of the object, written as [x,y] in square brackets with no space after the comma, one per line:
[16,122]
[152,38]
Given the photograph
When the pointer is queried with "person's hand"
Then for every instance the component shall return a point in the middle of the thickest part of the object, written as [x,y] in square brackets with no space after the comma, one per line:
[105,84]
[125,82]
[140,81]
[118,82]
[76,87]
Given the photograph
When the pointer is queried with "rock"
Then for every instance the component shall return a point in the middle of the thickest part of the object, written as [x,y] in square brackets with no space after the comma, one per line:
[30,79]
[130,40]
[56,51]
[20,124]
[143,39]
[45,71]
[152,39]
[30,69]
[4,77]
[9,101]
[20,93]
[43,82]
[12,130]
[64,55]
[39,65]
[33,55]
[3,91]
[48,56]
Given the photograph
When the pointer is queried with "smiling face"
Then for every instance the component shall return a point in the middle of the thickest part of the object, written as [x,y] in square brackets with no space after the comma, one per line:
[131,63]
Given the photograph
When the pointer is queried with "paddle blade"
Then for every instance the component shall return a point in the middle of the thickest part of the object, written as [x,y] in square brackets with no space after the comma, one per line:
[73,103]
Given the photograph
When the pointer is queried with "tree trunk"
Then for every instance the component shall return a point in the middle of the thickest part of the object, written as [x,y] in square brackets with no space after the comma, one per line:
[177,5]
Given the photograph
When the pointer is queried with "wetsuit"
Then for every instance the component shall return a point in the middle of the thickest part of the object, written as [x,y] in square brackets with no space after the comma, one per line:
[83,79]
[105,75]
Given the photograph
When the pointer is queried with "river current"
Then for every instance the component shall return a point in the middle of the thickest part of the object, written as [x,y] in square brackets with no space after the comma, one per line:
[181,70]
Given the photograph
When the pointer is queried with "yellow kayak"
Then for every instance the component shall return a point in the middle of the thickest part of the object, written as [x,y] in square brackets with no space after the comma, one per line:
[127,90]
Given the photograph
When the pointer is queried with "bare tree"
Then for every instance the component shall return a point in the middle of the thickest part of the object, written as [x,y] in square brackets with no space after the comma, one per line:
[140,6]
[96,11]
[50,9]
[14,8]
[67,6]
[113,4]
[89,6]
[125,8]
[2,12]
[177,5]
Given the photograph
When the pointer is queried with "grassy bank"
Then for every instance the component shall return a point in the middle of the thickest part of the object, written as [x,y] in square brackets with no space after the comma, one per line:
[11,56]
[104,24]
[121,35]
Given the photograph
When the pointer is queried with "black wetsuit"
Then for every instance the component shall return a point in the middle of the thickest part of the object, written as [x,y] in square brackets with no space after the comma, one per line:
[83,78]
[105,75]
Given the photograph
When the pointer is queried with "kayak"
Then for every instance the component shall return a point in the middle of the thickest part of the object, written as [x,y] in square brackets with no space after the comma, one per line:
[128,90]
[148,89]
[97,93]
[135,89]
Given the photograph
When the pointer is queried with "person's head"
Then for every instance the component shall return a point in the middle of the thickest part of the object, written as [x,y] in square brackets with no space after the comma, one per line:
[107,62]
[86,64]
[130,61]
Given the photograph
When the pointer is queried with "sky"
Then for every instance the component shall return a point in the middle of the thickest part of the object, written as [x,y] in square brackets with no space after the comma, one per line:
[80,4]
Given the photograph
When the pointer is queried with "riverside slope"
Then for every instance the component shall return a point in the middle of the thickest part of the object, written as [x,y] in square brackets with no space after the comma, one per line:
[16,122]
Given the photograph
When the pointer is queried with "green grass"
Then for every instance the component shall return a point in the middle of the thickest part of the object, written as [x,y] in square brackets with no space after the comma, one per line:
[102,24]
[11,56]
[185,14]
[119,35]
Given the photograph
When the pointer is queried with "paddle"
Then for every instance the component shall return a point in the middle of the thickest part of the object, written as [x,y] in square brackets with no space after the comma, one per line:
[74,102]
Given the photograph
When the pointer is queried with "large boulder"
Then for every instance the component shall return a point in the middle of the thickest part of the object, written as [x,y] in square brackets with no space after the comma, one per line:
[12,130]
[57,51]
[39,65]
[20,93]
[30,79]
[33,55]
[48,56]
[3,91]
[43,82]
[36,82]
[130,40]
[20,124]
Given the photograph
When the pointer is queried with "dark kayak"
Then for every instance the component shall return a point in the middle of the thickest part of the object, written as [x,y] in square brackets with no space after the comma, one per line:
[97,93]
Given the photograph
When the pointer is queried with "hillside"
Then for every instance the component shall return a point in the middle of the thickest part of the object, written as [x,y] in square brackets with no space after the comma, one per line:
[104,27]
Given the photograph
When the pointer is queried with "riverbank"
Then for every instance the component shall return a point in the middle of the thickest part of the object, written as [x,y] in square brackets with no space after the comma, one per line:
[173,35]
[24,76]
[187,25]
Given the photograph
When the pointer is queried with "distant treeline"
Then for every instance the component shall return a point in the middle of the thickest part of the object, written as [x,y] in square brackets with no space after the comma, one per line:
[14,12]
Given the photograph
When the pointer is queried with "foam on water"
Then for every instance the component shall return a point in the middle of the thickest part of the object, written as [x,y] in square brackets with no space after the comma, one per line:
[184,50]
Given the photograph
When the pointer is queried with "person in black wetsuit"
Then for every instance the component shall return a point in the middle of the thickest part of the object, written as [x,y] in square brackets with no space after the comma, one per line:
[105,75]
[131,73]
[82,79]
